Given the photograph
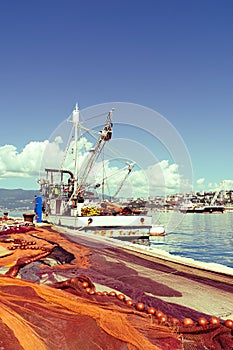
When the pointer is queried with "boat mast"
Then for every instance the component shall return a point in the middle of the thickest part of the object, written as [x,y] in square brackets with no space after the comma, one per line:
[75,119]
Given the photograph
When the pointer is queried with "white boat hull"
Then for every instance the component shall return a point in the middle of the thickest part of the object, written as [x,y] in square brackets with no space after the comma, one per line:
[92,222]
[157,230]
[129,227]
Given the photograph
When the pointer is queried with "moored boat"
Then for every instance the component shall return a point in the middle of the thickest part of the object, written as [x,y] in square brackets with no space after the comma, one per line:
[207,209]
[70,199]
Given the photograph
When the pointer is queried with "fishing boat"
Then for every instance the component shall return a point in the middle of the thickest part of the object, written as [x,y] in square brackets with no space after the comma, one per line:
[70,195]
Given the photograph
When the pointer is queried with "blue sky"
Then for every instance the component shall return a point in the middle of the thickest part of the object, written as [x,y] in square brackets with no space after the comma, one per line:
[173,56]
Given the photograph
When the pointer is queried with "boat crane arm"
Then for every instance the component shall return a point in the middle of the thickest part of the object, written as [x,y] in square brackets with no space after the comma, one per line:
[214,197]
[105,136]
[216,194]
[130,167]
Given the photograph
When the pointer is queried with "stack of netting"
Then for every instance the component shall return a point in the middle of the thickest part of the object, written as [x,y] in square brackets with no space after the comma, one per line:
[69,312]
[40,317]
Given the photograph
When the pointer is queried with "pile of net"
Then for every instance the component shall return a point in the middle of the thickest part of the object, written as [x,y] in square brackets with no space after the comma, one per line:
[51,299]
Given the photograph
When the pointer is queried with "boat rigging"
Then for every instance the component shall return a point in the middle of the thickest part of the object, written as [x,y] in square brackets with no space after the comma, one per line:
[69,201]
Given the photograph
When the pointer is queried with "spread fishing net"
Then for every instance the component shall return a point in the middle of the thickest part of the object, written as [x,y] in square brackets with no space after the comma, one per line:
[59,294]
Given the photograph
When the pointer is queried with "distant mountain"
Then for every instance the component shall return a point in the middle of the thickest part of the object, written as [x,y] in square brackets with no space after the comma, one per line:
[17,199]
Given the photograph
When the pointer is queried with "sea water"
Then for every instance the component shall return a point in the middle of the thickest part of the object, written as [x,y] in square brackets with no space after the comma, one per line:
[202,237]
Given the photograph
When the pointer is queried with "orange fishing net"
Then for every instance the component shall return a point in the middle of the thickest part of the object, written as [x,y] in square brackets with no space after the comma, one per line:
[39,317]
[55,303]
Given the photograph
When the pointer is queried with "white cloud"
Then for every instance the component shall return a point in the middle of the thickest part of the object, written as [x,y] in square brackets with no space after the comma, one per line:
[227,184]
[201,181]
[214,186]
[14,164]
[157,179]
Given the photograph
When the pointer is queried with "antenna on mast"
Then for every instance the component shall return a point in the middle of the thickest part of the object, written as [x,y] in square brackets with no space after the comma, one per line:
[75,114]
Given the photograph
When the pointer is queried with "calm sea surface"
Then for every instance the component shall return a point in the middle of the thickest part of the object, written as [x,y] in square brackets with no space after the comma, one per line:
[203,237]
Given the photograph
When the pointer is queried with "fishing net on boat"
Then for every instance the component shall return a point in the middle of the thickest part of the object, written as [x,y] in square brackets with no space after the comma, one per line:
[71,296]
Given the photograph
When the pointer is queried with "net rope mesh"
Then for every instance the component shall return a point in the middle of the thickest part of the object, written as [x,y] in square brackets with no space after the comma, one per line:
[45,306]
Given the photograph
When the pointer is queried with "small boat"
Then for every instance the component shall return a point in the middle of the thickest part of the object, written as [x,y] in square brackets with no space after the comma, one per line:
[207,209]
[70,198]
